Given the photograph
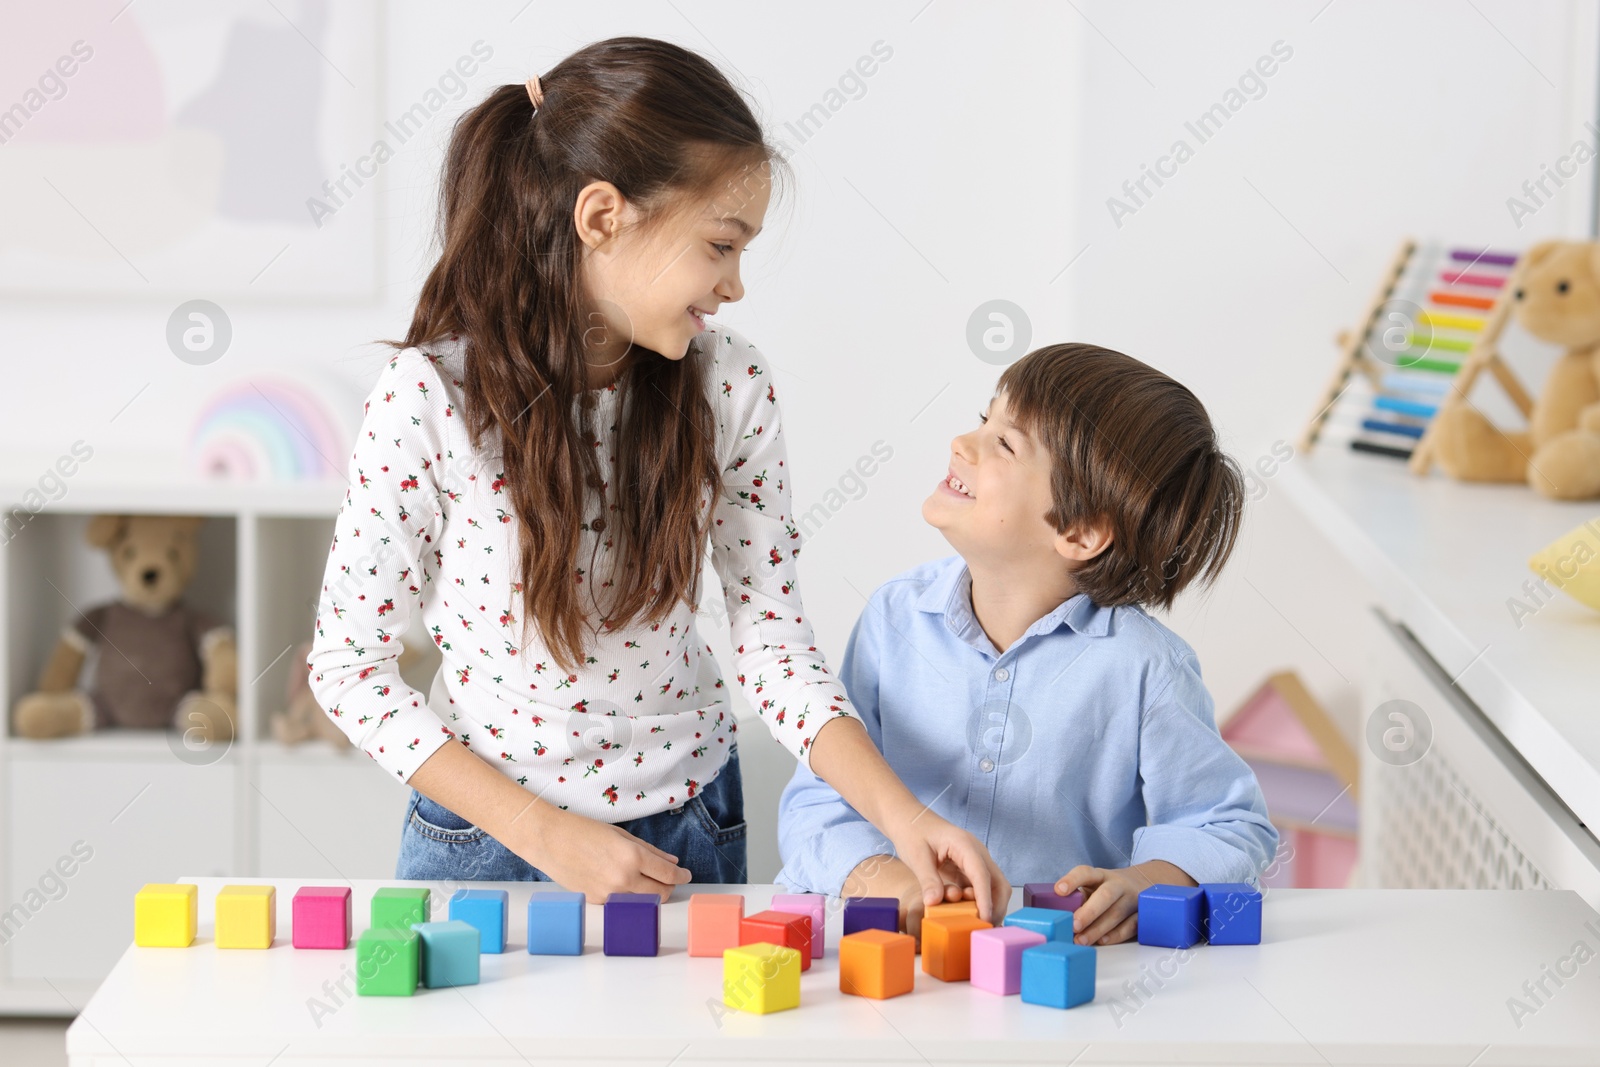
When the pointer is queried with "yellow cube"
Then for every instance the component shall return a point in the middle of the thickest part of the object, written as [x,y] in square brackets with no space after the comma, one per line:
[246,916]
[761,977]
[165,915]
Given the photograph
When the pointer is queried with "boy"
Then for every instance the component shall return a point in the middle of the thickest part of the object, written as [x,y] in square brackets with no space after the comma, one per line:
[1020,689]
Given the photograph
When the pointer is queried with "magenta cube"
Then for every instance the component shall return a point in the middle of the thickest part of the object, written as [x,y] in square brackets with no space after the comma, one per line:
[1043,895]
[322,916]
[997,958]
[812,904]
[632,925]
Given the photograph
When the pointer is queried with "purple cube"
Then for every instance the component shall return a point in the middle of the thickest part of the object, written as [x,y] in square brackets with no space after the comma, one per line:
[1043,895]
[632,924]
[322,916]
[871,913]
[812,904]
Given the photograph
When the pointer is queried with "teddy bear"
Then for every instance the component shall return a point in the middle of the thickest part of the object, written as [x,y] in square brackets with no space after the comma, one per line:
[1557,299]
[161,663]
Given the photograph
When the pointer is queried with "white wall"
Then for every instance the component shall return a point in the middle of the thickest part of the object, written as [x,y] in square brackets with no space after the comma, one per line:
[975,165]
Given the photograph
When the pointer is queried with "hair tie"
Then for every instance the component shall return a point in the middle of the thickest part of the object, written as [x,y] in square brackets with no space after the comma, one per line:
[535,93]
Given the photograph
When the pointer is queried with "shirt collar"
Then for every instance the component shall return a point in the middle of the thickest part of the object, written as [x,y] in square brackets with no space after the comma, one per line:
[950,595]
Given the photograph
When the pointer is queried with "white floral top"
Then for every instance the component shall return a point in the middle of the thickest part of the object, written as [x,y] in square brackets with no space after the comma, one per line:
[425,546]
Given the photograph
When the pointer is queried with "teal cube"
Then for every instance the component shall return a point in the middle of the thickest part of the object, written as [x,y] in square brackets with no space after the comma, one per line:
[449,953]
[555,924]
[485,909]
[394,908]
[1054,924]
[387,963]
[1058,974]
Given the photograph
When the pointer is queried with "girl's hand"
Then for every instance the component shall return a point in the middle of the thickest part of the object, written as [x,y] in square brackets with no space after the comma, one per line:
[597,859]
[888,876]
[931,847]
[1110,911]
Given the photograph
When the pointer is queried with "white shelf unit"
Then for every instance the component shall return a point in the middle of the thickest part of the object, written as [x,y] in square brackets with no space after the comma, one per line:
[141,811]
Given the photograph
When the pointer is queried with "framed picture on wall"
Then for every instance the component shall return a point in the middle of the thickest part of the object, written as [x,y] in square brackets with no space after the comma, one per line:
[179,149]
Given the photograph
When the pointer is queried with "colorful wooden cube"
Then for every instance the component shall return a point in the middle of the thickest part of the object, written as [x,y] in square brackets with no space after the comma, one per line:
[779,928]
[556,924]
[877,964]
[449,953]
[246,916]
[960,907]
[997,958]
[166,915]
[633,924]
[714,923]
[485,909]
[1054,925]
[761,978]
[812,904]
[397,908]
[947,945]
[1057,974]
[321,915]
[1232,913]
[1171,915]
[871,913]
[1043,895]
[387,962]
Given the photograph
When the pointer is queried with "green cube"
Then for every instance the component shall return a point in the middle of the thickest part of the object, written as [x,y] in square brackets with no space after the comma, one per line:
[387,963]
[396,909]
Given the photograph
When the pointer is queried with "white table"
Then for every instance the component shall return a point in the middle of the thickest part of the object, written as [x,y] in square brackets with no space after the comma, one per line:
[1342,976]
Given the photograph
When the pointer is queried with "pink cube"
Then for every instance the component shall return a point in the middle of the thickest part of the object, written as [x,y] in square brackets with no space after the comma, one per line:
[812,904]
[322,917]
[997,958]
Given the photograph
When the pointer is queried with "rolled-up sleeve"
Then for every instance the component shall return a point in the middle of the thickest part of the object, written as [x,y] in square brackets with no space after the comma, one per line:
[379,570]
[821,838]
[1206,812]
[756,550]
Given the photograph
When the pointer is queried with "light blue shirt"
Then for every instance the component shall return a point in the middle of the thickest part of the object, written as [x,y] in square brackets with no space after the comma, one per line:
[1090,740]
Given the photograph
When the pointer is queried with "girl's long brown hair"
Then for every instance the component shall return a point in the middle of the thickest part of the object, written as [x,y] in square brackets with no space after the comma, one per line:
[663,125]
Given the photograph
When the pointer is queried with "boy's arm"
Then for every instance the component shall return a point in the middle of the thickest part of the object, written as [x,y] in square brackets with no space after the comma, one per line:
[1205,809]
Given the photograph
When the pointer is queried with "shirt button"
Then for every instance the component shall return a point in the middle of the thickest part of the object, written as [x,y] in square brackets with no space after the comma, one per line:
[598,525]
[1000,675]
[986,764]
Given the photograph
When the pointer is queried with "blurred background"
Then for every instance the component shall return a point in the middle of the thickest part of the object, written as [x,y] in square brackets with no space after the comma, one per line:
[212,211]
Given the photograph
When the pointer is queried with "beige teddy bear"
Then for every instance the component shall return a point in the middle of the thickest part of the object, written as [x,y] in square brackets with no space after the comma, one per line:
[1557,300]
[161,664]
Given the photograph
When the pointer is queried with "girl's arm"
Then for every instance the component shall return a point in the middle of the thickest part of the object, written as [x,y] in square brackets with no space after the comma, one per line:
[780,670]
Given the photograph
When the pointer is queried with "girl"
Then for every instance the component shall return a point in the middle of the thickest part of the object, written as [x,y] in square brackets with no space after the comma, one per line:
[537,474]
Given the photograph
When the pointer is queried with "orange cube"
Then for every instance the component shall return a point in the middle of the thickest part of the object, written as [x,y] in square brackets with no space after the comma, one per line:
[877,964]
[779,928]
[960,907]
[714,922]
[947,945]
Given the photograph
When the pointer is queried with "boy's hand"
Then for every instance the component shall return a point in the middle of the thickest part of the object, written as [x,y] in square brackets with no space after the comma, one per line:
[888,876]
[1110,911]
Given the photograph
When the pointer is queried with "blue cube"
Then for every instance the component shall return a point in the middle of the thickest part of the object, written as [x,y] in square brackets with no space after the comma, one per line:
[449,953]
[485,909]
[1171,916]
[1054,925]
[871,913]
[1232,913]
[1057,974]
[633,925]
[555,924]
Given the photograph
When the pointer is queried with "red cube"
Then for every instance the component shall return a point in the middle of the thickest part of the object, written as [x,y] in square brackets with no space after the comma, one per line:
[779,928]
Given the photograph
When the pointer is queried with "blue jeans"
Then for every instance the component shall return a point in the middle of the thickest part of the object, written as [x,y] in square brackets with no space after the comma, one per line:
[706,833]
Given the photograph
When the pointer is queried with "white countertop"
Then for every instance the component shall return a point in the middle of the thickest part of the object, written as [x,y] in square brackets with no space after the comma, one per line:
[1446,557]
[1341,976]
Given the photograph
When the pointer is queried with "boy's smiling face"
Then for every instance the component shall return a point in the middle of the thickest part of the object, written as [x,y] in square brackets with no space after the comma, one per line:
[992,501]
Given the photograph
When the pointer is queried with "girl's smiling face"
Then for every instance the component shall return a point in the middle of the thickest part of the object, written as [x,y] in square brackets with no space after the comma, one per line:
[653,284]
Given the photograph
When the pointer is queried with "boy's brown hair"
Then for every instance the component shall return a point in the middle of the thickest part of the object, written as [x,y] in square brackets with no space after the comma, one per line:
[1133,448]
